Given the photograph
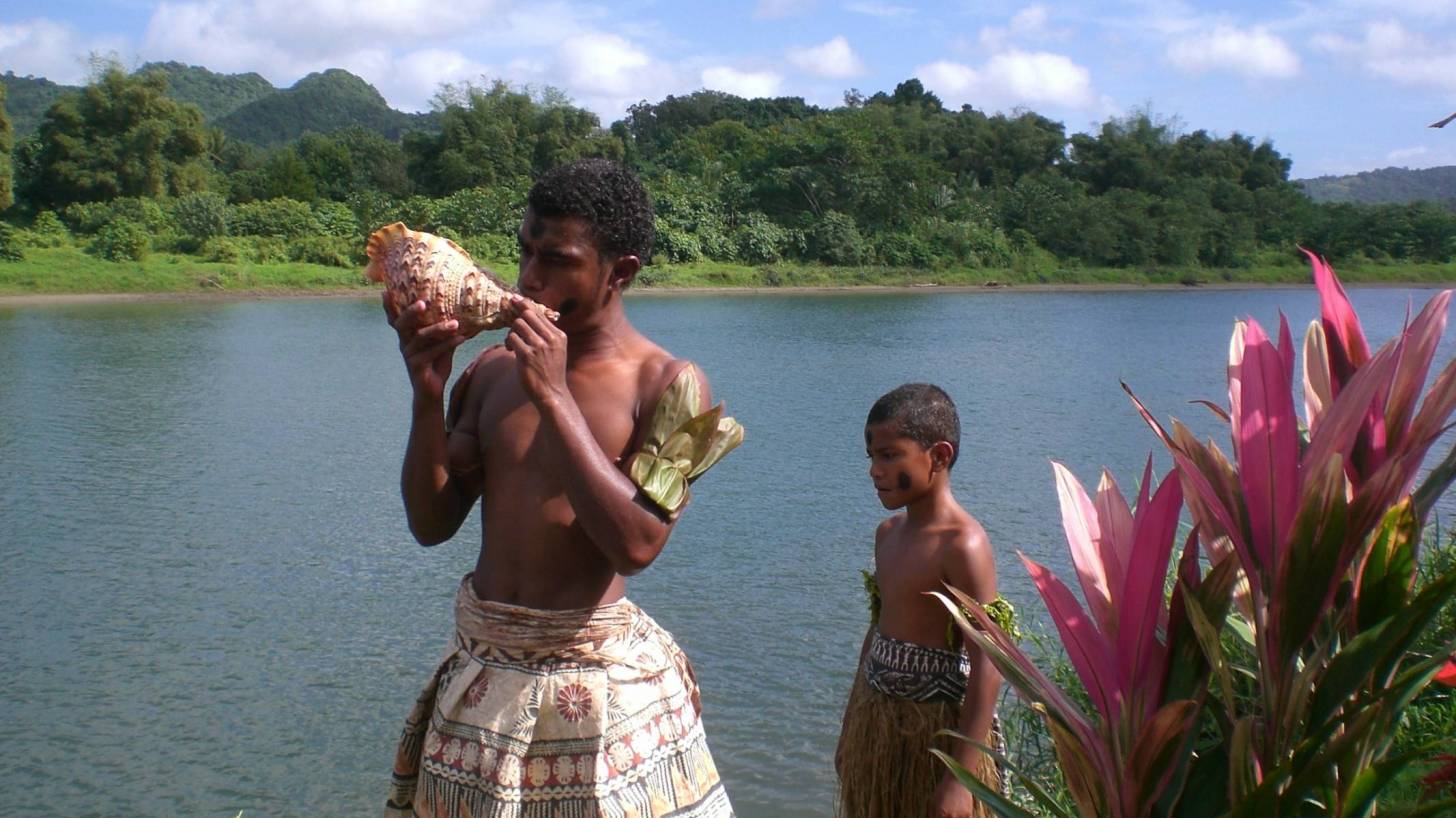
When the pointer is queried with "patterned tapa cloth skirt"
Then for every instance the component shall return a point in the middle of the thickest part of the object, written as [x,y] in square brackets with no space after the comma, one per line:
[903,695]
[556,714]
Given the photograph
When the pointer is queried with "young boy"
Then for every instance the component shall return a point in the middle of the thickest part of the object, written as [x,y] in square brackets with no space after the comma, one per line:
[916,676]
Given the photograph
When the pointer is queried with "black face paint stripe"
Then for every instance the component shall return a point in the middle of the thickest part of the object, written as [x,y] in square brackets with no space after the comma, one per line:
[567,306]
[903,481]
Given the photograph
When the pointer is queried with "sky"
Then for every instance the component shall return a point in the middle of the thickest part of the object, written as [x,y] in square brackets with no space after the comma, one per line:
[1338,87]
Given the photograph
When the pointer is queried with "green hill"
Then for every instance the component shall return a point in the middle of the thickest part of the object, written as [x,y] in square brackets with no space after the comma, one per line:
[27,99]
[1387,185]
[323,103]
[216,94]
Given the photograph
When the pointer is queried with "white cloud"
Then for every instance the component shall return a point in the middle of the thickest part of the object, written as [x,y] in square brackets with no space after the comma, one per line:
[1253,53]
[750,84]
[834,59]
[1420,9]
[1011,79]
[1026,25]
[884,10]
[45,48]
[779,9]
[1404,154]
[1391,51]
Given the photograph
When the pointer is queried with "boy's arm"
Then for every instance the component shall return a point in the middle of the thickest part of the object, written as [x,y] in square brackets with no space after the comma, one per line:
[629,531]
[969,566]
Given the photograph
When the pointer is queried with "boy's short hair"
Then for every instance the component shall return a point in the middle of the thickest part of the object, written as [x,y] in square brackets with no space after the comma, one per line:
[922,412]
[605,194]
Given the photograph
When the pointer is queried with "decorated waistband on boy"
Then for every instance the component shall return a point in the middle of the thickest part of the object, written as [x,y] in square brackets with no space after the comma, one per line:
[682,442]
[1000,609]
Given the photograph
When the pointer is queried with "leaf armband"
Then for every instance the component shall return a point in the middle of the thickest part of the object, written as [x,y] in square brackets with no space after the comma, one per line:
[681,443]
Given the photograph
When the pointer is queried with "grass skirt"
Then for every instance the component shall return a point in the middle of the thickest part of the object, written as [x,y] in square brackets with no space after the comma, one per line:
[886,769]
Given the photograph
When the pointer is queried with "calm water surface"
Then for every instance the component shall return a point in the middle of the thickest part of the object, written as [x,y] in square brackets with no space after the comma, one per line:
[212,603]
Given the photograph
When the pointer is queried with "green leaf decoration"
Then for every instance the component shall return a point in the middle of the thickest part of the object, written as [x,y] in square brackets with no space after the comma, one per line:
[681,443]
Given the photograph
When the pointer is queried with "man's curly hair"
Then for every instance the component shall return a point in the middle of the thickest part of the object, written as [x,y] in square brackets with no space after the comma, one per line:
[607,195]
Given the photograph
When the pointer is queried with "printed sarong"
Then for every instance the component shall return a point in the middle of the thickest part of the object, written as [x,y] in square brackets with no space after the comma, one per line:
[556,714]
[903,695]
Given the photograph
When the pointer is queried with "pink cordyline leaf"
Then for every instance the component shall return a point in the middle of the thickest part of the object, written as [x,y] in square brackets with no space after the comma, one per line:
[1086,542]
[1115,520]
[1419,342]
[1344,418]
[1210,509]
[1439,402]
[1347,346]
[1087,648]
[1014,664]
[1286,345]
[1266,439]
[1140,655]
[1318,393]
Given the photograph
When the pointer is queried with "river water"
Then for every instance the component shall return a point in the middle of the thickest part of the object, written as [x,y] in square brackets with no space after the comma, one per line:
[212,603]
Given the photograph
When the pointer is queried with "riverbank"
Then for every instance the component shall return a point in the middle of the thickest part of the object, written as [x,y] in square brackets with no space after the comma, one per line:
[68,274]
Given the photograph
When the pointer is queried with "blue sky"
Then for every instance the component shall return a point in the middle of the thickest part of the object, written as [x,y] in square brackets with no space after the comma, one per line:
[1339,86]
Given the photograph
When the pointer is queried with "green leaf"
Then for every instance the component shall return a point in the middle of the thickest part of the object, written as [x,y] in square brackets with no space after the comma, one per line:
[1360,797]
[1160,748]
[1036,790]
[727,437]
[994,800]
[1385,579]
[1314,562]
[1208,640]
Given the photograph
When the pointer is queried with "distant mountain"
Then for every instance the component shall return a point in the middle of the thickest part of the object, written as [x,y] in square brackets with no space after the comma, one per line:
[322,103]
[1387,185]
[216,94]
[27,99]
[245,106]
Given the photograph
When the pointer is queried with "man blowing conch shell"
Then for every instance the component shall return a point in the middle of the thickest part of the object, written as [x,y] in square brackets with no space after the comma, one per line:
[580,437]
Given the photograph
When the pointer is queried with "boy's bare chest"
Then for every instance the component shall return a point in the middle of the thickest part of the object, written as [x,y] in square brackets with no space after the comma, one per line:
[907,568]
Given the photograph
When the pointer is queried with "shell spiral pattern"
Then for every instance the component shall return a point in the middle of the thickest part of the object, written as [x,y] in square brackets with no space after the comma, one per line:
[419,266]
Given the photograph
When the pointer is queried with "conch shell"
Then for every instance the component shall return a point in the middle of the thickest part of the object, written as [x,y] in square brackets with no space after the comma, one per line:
[418,266]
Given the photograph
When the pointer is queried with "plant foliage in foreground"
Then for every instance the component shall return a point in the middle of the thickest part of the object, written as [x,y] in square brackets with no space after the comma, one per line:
[1309,542]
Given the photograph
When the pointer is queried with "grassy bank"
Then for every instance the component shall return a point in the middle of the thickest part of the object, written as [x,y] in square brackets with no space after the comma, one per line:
[69,270]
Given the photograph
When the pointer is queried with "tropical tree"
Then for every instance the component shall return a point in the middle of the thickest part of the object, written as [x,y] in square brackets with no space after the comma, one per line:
[7,173]
[119,136]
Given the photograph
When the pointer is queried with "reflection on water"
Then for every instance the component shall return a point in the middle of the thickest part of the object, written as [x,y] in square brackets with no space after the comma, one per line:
[214,604]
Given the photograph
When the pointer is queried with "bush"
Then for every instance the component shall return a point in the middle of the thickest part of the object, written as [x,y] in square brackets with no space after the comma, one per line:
[10,249]
[759,240]
[275,217]
[88,218]
[269,250]
[48,224]
[223,250]
[201,215]
[834,239]
[480,211]
[676,245]
[335,219]
[904,250]
[492,247]
[122,240]
[333,251]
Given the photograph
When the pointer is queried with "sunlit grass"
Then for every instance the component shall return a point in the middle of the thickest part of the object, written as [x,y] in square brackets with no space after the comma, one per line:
[70,270]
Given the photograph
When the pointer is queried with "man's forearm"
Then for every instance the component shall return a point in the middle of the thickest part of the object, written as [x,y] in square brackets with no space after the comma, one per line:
[604,498]
[431,503]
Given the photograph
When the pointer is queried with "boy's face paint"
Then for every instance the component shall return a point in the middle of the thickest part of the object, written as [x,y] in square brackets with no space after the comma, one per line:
[900,468]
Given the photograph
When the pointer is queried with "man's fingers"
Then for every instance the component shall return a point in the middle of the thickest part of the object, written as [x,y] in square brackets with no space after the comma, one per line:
[525,333]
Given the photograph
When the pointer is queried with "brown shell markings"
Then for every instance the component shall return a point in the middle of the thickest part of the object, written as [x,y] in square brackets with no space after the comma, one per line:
[419,266]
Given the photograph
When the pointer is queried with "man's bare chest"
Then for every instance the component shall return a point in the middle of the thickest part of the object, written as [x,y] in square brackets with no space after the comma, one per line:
[512,432]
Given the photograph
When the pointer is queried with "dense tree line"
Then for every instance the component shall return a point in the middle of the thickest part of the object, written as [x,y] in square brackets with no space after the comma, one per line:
[893,179]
